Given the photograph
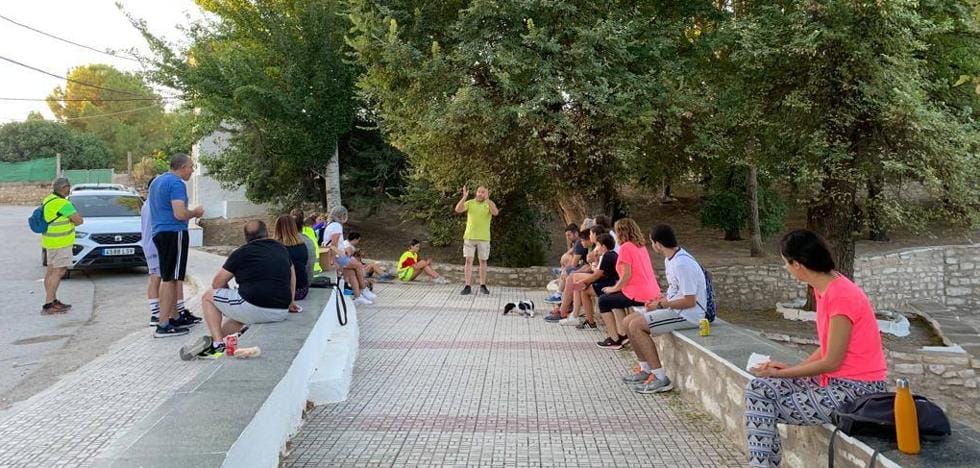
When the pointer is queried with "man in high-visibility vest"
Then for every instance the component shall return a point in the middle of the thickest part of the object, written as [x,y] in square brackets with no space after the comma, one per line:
[57,241]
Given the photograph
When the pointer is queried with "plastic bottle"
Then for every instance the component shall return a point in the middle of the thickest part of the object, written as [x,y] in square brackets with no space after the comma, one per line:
[704,327]
[906,421]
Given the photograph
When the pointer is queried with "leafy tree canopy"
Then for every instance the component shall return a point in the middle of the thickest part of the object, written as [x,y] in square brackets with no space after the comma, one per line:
[109,111]
[38,138]
[275,74]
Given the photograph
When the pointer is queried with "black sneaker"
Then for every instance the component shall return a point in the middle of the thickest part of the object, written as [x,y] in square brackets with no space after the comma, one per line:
[584,325]
[466,290]
[154,320]
[186,316]
[624,340]
[185,320]
[610,343]
[212,352]
[169,330]
[483,289]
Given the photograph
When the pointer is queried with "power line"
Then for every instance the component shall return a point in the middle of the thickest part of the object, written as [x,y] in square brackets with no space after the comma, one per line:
[68,41]
[82,83]
[84,117]
[87,100]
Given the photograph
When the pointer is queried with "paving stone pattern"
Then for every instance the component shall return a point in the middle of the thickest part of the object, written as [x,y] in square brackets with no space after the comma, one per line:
[70,422]
[443,379]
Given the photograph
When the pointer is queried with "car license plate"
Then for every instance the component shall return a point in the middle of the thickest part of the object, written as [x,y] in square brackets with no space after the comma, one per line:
[122,251]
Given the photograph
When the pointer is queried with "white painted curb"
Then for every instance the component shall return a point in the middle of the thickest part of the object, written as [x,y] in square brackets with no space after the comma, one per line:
[321,372]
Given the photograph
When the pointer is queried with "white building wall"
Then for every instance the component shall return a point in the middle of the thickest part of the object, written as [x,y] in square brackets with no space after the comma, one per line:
[207,192]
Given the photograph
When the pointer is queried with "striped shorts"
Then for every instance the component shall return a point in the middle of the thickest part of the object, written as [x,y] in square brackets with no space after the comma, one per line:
[233,306]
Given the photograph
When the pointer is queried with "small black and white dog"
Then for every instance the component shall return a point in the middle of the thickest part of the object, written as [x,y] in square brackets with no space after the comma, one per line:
[524,308]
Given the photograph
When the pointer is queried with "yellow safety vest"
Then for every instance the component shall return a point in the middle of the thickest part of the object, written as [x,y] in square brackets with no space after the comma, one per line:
[61,231]
[309,232]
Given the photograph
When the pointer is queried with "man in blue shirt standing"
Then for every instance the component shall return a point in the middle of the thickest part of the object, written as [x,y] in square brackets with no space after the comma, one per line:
[169,215]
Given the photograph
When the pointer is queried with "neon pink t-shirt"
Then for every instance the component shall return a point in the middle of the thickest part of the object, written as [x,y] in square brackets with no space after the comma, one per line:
[642,286]
[864,360]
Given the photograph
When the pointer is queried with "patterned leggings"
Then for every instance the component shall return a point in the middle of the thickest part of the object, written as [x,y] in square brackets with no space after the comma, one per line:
[801,402]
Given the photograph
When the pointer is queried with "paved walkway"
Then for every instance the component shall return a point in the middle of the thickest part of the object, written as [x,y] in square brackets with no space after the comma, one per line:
[72,421]
[443,379]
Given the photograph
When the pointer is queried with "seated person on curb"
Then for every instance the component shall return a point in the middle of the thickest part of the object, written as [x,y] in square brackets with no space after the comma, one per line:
[312,253]
[567,306]
[372,269]
[848,364]
[570,260]
[604,221]
[637,283]
[266,285]
[353,247]
[292,239]
[409,265]
[682,307]
[335,257]
[589,286]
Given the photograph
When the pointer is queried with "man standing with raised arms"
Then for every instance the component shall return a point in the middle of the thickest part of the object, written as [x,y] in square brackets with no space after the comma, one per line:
[476,238]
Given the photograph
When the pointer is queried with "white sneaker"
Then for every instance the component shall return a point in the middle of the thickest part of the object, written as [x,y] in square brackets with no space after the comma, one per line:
[440,280]
[369,295]
[570,322]
[362,301]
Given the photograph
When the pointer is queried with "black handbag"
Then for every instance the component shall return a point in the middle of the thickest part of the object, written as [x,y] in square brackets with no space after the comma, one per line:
[874,415]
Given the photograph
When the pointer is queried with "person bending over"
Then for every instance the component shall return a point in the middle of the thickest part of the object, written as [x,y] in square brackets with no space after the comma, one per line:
[266,286]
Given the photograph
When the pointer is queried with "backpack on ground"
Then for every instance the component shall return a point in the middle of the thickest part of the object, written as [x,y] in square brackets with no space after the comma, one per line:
[874,415]
[36,222]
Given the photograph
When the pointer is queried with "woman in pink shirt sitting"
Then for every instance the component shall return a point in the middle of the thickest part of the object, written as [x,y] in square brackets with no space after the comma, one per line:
[637,284]
[849,363]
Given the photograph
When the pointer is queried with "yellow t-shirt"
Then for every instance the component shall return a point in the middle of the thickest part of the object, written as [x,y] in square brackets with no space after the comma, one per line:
[477,221]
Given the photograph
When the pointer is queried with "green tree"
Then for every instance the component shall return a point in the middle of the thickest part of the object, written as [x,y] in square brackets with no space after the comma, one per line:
[849,93]
[274,72]
[127,114]
[33,139]
[540,100]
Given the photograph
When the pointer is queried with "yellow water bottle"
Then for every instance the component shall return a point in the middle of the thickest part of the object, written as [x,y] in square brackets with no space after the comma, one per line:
[906,420]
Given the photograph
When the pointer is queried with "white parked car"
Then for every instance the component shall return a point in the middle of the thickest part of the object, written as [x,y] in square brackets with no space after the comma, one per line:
[100,186]
[110,235]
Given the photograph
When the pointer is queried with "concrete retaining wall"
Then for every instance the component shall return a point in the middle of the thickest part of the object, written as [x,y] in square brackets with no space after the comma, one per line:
[716,385]
[945,274]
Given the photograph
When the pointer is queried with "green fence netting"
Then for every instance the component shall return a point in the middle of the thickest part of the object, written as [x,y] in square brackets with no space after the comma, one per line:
[36,170]
[89,176]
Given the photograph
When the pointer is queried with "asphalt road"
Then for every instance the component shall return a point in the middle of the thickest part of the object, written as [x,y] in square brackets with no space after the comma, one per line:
[36,350]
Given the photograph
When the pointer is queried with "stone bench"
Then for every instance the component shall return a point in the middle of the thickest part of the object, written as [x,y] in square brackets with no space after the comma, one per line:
[242,412]
[710,371]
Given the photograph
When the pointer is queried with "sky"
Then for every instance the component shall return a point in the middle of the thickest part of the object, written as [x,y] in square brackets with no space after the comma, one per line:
[95,23]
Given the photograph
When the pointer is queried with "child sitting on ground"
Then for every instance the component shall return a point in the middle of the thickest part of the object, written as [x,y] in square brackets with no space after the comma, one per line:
[409,265]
